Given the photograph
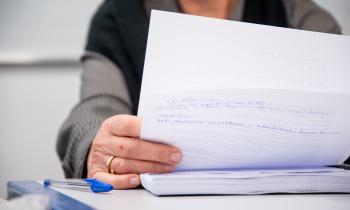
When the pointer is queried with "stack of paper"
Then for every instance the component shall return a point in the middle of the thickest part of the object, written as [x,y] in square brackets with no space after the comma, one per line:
[313,180]
[239,96]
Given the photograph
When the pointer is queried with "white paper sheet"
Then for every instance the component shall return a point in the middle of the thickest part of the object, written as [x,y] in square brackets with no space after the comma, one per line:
[238,95]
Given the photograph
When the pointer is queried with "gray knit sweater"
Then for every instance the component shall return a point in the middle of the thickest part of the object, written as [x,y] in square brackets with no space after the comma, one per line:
[104,92]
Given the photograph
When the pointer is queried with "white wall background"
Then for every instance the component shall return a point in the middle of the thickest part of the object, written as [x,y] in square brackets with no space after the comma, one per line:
[34,101]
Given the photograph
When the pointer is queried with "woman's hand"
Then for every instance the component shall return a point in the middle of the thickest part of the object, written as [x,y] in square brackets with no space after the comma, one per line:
[119,136]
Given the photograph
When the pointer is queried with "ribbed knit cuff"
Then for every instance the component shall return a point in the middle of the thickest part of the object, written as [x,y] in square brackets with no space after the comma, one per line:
[82,152]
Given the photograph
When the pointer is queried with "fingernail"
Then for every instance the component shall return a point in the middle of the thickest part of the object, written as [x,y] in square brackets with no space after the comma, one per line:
[175,157]
[134,181]
[168,168]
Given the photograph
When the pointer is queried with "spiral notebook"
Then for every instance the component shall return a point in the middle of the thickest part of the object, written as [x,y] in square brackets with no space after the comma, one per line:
[254,109]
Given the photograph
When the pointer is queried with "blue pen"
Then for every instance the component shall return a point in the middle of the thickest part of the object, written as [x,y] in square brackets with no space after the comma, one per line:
[94,185]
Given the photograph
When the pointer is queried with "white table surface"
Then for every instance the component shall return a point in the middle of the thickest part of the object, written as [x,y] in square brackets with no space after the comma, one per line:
[142,199]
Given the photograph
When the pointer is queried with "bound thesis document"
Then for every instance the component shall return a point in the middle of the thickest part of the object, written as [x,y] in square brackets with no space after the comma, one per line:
[255,109]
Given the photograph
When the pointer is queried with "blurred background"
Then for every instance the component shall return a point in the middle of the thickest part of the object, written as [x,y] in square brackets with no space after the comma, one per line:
[40,45]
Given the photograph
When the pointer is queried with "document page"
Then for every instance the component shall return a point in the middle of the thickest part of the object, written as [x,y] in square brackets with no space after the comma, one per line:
[250,128]
[236,95]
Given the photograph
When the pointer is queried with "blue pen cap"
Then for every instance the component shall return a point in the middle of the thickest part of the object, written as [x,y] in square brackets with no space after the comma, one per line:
[98,186]
[46,182]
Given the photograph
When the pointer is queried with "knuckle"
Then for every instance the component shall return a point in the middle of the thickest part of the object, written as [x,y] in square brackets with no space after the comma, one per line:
[111,122]
[128,148]
[162,155]
[156,167]
[121,124]
[95,163]
[94,157]
[107,124]
[122,149]
[120,165]
[135,146]
[117,184]
[127,126]
[97,142]
[98,145]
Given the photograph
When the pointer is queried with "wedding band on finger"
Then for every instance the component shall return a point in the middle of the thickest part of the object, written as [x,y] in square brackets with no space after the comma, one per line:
[108,165]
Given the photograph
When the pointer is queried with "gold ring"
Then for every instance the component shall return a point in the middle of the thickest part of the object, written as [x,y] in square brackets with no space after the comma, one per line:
[108,165]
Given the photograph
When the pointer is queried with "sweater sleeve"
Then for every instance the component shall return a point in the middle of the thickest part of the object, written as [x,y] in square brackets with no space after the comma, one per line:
[103,94]
[307,15]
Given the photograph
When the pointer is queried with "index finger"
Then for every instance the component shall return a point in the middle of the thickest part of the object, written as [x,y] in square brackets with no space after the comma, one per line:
[137,149]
